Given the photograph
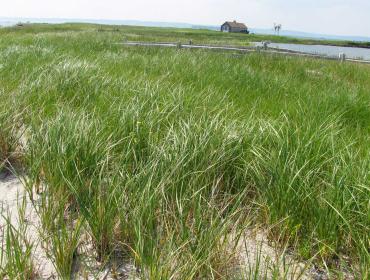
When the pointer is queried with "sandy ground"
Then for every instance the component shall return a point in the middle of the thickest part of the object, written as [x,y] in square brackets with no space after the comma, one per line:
[259,260]
[254,247]
[12,193]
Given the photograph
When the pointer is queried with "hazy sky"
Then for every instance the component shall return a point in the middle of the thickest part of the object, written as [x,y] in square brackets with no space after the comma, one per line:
[340,17]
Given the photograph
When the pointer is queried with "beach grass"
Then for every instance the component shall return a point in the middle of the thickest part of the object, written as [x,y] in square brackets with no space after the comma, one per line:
[167,156]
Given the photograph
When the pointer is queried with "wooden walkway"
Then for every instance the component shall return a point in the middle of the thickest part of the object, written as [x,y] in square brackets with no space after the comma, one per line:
[239,49]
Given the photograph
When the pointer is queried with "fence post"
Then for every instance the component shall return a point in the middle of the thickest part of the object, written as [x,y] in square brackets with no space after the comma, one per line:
[342,57]
[265,45]
[179,46]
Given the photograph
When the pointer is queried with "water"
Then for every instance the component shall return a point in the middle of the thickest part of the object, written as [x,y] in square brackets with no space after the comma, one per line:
[334,51]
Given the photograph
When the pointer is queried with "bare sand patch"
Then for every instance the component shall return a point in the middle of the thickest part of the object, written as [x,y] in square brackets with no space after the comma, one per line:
[260,260]
[12,193]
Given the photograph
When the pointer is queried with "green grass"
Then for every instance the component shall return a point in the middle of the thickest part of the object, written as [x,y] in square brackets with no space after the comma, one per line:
[16,249]
[9,139]
[163,154]
[138,33]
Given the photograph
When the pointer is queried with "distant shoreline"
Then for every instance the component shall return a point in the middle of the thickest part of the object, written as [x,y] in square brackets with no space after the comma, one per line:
[260,31]
[251,37]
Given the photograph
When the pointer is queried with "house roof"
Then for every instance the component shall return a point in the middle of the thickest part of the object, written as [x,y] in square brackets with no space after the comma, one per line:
[235,24]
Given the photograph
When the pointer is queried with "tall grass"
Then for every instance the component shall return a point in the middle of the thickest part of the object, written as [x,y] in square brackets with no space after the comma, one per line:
[10,133]
[163,155]
[16,260]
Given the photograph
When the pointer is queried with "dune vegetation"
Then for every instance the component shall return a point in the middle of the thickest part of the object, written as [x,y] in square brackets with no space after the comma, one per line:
[166,157]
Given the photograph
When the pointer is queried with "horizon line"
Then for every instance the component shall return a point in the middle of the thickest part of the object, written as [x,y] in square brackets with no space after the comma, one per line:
[172,22]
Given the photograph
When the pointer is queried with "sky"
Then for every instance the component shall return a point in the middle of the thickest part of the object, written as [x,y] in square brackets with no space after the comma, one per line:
[337,17]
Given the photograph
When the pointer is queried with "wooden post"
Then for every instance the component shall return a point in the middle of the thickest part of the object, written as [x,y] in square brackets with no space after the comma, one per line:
[342,57]
[179,46]
[265,44]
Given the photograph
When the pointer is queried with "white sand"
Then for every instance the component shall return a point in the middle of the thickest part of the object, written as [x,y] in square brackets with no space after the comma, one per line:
[12,193]
[256,252]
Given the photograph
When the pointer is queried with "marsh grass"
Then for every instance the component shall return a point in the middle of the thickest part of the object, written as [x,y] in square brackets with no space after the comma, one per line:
[161,155]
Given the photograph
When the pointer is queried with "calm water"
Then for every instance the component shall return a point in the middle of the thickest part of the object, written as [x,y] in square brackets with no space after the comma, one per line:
[355,53]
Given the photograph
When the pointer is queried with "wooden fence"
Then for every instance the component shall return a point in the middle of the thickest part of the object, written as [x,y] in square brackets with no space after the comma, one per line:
[190,45]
